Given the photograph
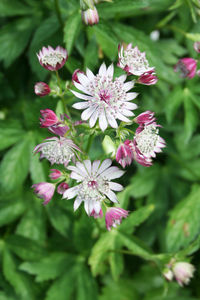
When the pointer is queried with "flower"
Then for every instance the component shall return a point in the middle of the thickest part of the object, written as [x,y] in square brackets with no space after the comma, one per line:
[114,216]
[197,47]
[41,89]
[95,215]
[183,272]
[187,67]
[146,117]
[74,75]
[49,118]
[105,99]
[132,60]
[168,274]
[44,190]
[124,155]
[90,16]
[148,78]
[52,59]
[94,184]
[55,174]
[57,150]
[62,188]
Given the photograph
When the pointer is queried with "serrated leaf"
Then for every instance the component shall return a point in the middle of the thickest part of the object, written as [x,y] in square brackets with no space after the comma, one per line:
[182,228]
[10,133]
[71,30]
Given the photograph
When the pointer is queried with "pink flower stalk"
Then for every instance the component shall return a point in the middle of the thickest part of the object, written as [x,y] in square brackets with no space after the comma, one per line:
[148,78]
[41,89]
[133,61]
[183,272]
[187,67]
[90,16]
[62,187]
[104,98]
[55,174]
[124,155]
[48,118]
[197,47]
[95,215]
[52,59]
[94,184]
[75,75]
[114,216]
[57,150]
[44,190]
[145,118]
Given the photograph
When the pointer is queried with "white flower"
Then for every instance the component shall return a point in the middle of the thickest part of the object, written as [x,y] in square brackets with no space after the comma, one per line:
[104,98]
[95,184]
[133,61]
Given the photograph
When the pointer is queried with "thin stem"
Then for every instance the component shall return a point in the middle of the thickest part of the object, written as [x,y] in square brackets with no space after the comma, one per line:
[61,95]
[57,8]
[91,137]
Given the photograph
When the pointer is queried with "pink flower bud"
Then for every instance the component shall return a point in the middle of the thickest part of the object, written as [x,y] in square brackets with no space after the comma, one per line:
[148,78]
[62,188]
[75,75]
[197,47]
[124,155]
[187,67]
[146,117]
[90,16]
[183,272]
[49,118]
[114,216]
[41,89]
[52,59]
[58,129]
[55,174]
[44,190]
[95,215]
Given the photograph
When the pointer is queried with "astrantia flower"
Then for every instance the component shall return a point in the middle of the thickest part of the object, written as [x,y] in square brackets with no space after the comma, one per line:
[41,89]
[44,190]
[62,188]
[57,150]
[124,155]
[95,184]
[133,61]
[148,78]
[183,272]
[146,117]
[114,216]
[52,59]
[48,118]
[90,16]
[187,67]
[105,99]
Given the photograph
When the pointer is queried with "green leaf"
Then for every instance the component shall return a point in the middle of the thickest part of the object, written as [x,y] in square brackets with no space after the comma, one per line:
[195,37]
[108,145]
[191,116]
[86,285]
[11,210]
[10,133]
[71,30]
[173,102]
[91,55]
[183,225]
[13,8]
[15,164]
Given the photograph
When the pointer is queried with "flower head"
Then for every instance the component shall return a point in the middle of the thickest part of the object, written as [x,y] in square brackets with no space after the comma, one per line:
[104,98]
[183,272]
[94,184]
[95,215]
[52,59]
[146,117]
[187,67]
[75,75]
[48,118]
[133,61]
[62,188]
[55,174]
[57,150]
[90,16]
[44,190]
[197,47]
[114,216]
[124,155]
[148,78]
[41,89]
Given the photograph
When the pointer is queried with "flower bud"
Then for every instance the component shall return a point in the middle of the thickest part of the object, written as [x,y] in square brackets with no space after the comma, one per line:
[124,155]
[148,78]
[49,118]
[44,190]
[144,118]
[41,89]
[90,16]
[55,174]
[183,272]
[75,75]
[52,59]
[187,67]
[114,216]
[62,188]
[197,47]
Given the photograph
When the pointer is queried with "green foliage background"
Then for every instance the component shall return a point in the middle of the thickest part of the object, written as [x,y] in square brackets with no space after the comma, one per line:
[51,253]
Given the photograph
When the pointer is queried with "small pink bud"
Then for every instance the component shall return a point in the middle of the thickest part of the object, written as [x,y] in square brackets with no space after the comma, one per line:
[146,117]
[197,47]
[75,75]
[55,174]
[114,216]
[62,188]
[187,67]
[148,78]
[183,272]
[124,155]
[44,190]
[90,16]
[41,89]
[49,118]
[95,215]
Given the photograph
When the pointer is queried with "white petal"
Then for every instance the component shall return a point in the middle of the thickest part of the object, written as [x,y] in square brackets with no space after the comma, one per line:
[86,206]
[122,118]
[122,78]
[81,105]
[127,113]
[112,173]
[115,186]
[75,169]
[95,166]
[89,74]
[111,195]
[77,203]
[105,165]
[130,105]
[81,168]
[128,85]
[102,70]
[88,165]
[83,79]
[86,114]
[131,96]
[93,118]
[81,88]
[76,176]
[97,207]
[102,121]
[70,193]
[81,96]
[111,120]
[91,205]
[110,71]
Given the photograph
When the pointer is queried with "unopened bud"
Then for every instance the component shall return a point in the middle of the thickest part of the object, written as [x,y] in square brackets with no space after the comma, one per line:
[90,16]
[183,272]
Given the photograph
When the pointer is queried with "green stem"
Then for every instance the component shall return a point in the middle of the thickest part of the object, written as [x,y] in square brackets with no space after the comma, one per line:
[91,137]
[61,95]
[57,8]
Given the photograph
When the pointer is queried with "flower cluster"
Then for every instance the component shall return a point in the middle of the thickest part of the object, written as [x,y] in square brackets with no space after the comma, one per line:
[106,101]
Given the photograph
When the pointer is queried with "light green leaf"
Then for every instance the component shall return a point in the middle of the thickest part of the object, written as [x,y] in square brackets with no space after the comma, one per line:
[195,37]
[109,146]
[10,133]
[71,30]
[11,210]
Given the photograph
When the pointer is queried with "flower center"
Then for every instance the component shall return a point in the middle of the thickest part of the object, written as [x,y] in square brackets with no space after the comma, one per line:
[147,139]
[92,184]
[105,96]
[136,59]
[57,152]
[53,59]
